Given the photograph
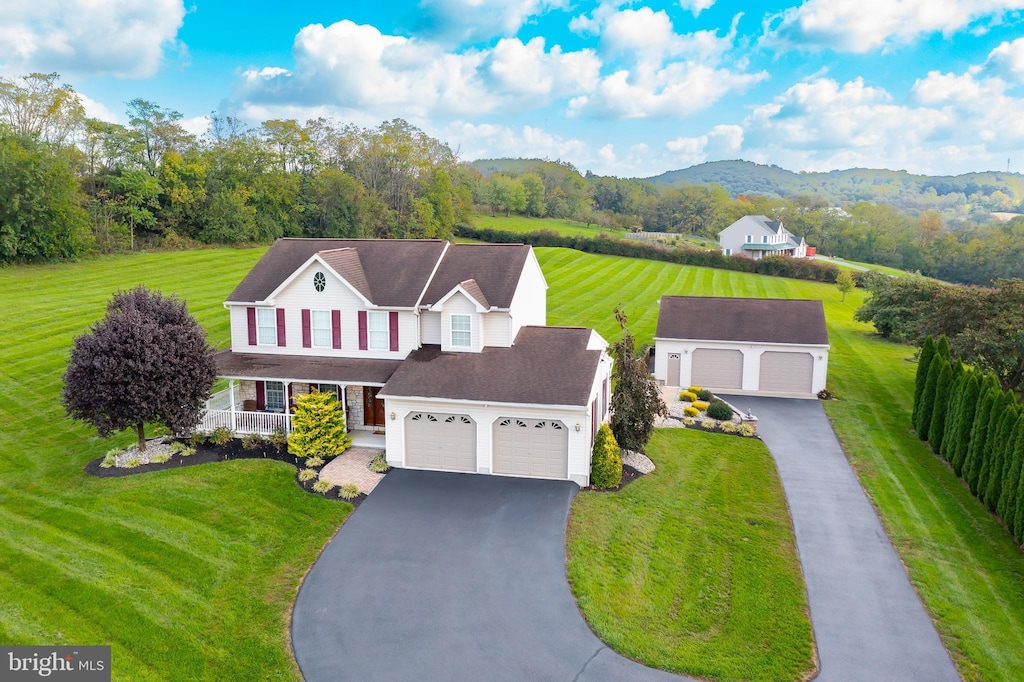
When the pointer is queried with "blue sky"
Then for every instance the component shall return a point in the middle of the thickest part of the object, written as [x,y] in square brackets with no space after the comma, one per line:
[620,88]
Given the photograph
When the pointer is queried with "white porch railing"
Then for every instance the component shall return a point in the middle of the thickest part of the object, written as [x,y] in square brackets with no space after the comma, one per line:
[242,423]
[221,400]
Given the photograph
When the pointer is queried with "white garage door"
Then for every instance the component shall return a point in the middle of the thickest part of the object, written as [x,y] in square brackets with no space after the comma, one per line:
[786,372]
[716,369]
[531,447]
[442,442]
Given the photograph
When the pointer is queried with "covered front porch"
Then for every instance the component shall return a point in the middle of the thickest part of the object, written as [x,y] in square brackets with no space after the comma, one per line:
[262,390]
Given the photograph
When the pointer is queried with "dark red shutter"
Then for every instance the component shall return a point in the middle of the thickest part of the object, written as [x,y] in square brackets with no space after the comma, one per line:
[290,403]
[336,328]
[251,316]
[261,396]
[393,329]
[280,327]
[362,330]
[307,332]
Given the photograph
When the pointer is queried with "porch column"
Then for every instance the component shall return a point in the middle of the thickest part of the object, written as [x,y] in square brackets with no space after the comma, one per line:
[344,404]
[288,406]
[231,394]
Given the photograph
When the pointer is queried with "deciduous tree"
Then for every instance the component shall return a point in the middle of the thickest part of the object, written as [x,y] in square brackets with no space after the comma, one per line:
[147,360]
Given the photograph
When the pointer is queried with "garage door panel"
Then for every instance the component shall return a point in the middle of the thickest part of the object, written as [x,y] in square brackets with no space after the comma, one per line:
[439,441]
[783,372]
[716,368]
[531,447]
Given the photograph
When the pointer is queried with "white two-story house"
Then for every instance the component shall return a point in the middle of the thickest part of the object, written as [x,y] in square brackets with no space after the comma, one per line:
[442,348]
[757,236]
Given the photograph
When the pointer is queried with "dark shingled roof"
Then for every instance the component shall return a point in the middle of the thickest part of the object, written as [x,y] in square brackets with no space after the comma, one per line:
[304,368]
[473,289]
[346,263]
[495,267]
[546,366]
[764,320]
[396,270]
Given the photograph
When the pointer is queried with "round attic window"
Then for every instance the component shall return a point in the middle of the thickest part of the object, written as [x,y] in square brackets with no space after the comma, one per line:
[319,281]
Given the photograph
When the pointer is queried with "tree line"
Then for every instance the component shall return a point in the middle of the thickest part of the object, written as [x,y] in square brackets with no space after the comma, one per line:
[975,425]
[75,185]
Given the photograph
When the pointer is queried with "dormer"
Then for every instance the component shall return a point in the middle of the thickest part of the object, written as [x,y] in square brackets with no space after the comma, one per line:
[462,310]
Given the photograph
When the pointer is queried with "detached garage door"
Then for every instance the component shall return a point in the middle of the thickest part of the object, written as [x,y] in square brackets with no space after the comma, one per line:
[442,442]
[717,369]
[786,372]
[531,447]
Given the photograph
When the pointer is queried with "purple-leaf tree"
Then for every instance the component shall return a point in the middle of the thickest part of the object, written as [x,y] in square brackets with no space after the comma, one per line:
[146,361]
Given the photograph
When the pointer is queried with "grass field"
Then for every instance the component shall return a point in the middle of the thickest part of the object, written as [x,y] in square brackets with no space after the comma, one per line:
[963,563]
[517,223]
[190,573]
[693,568]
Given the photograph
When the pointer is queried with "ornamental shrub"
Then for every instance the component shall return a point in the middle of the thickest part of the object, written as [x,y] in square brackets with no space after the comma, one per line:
[312,462]
[221,436]
[747,431]
[701,405]
[694,389]
[729,427]
[705,395]
[606,462]
[687,396]
[1007,503]
[253,441]
[979,431]
[927,402]
[720,410]
[349,491]
[323,486]
[691,411]
[307,474]
[924,361]
[379,464]
[318,427]
[966,411]
[1003,435]
[279,438]
[709,424]
[937,426]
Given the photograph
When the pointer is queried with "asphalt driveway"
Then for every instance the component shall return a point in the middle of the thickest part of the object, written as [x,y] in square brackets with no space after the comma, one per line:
[868,621]
[451,577]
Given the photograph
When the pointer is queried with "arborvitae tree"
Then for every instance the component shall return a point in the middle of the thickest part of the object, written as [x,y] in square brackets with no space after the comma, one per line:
[318,426]
[959,386]
[1018,514]
[966,412]
[937,428]
[147,361]
[973,461]
[1001,436]
[988,451]
[636,401]
[606,460]
[927,401]
[1007,504]
[924,362]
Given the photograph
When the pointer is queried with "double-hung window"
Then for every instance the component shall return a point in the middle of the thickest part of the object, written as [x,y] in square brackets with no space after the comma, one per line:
[320,323]
[377,330]
[275,396]
[266,326]
[462,334]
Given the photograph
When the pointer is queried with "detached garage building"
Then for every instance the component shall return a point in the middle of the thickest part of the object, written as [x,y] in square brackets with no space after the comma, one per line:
[753,346]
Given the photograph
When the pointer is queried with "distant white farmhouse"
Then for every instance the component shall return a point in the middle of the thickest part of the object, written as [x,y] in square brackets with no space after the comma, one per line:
[757,236]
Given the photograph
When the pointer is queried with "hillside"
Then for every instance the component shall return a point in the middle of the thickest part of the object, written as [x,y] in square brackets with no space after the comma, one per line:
[993,191]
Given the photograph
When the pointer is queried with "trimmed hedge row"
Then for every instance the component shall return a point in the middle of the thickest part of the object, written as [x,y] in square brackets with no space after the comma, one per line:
[976,426]
[780,266]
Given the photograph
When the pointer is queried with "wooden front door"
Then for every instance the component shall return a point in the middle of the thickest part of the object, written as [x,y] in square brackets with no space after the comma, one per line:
[373,407]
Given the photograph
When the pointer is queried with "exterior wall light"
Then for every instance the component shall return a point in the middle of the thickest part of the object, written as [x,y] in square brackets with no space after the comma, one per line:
[577,428]
[392,416]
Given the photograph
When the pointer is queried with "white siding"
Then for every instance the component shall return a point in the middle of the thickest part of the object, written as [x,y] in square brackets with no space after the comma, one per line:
[497,328]
[430,327]
[300,294]
[460,305]
[529,304]
[751,362]
[484,416]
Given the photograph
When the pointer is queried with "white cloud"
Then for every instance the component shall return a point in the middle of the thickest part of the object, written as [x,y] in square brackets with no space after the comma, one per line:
[197,125]
[97,110]
[864,25]
[354,66]
[475,20]
[488,140]
[720,142]
[1008,59]
[696,6]
[124,38]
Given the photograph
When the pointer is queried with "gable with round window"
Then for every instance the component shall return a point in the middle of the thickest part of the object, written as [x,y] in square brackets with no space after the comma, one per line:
[319,281]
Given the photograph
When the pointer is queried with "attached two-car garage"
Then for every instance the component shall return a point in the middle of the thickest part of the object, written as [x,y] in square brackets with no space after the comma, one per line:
[522,447]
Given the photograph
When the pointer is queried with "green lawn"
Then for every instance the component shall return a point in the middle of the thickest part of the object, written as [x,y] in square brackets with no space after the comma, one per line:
[517,223]
[693,568]
[188,574]
[963,563]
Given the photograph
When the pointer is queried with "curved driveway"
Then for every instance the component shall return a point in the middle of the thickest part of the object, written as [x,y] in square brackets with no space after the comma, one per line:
[451,577]
[869,623]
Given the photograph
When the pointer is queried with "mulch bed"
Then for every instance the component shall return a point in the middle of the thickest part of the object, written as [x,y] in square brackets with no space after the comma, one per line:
[208,452]
[629,474]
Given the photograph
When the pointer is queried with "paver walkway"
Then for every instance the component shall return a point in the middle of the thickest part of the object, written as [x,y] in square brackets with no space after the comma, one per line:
[869,623]
[352,467]
[442,576]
